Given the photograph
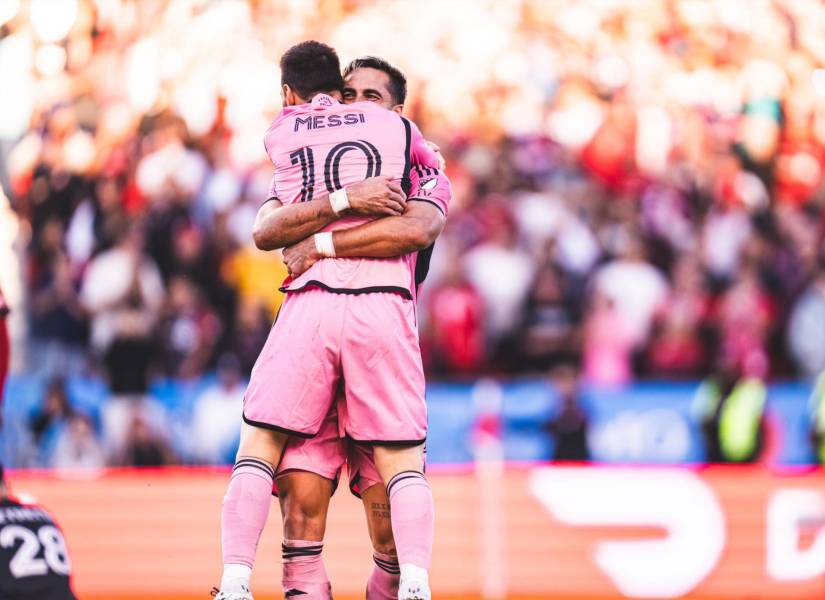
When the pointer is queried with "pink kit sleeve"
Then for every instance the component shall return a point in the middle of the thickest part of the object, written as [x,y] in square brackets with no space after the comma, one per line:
[431,185]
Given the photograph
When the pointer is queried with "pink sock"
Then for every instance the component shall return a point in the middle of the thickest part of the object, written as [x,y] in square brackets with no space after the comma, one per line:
[413,518]
[304,571]
[245,509]
[383,582]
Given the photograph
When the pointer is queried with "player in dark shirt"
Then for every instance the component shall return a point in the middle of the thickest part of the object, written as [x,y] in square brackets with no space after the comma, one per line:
[34,562]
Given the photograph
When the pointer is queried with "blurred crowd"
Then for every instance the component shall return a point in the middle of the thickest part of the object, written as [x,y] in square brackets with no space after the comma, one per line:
[638,185]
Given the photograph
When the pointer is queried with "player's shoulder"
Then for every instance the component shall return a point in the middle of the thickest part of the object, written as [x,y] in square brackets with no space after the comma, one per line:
[410,124]
[281,119]
[415,136]
[10,502]
[16,502]
[24,511]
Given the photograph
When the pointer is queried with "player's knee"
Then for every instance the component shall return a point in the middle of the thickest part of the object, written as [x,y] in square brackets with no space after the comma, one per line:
[300,525]
[382,540]
[386,548]
[304,518]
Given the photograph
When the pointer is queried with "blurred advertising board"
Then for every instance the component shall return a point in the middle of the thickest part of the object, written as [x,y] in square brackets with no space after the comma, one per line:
[573,532]
[645,423]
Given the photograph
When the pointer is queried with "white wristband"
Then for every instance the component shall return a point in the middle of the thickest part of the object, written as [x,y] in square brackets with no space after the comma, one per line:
[339,201]
[324,245]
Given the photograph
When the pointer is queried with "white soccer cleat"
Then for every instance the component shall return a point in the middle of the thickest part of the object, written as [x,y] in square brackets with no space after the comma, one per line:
[245,595]
[234,583]
[414,589]
[414,584]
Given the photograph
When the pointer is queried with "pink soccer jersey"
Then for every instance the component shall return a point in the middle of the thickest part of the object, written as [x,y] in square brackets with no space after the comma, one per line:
[431,186]
[325,145]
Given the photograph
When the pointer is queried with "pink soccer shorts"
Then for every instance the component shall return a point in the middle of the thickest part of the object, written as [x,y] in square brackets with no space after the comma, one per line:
[324,454]
[368,341]
[361,468]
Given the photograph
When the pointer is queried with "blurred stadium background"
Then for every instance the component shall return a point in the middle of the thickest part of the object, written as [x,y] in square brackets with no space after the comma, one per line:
[631,285]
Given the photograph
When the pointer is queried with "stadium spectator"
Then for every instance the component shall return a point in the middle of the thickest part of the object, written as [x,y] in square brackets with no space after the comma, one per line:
[189,330]
[549,332]
[455,337]
[248,333]
[817,414]
[608,344]
[679,344]
[144,447]
[215,431]
[500,270]
[569,426]
[632,284]
[49,420]
[123,292]
[731,408]
[57,320]
[77,446]
[745,315]
[806,328]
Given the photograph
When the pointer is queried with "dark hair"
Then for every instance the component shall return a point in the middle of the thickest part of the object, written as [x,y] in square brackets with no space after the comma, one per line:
[310,68]
[398,83]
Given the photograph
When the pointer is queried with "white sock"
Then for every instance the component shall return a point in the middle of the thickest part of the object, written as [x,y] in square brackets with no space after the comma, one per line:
[235,579]
[411,571]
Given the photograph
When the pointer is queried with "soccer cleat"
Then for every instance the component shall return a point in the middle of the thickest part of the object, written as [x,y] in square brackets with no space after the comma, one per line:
[413,589]
[243,595]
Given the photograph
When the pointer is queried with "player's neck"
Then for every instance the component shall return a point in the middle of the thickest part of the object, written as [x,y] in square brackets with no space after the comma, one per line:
[334,94]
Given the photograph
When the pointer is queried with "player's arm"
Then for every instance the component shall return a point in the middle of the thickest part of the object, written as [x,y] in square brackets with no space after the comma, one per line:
[419,226]
[388,237]
[278,225]
[415,230]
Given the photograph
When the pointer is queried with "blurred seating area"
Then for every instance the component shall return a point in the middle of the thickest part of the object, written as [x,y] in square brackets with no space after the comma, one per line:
[638,189]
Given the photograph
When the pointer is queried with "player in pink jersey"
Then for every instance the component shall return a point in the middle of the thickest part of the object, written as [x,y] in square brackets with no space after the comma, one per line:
[347,322]
[309,470]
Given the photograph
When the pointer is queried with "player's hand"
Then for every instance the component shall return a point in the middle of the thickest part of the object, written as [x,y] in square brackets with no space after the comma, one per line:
[442,163]
[376,197]
[300,257]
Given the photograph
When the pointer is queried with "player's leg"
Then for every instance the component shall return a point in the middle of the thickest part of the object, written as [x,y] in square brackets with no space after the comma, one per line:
[383,581]
[289,394]
[365,482]
[384,382]
[412,512]
[306,479]
[304,499]
[246,504]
